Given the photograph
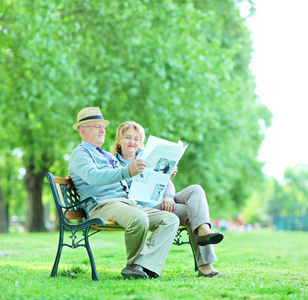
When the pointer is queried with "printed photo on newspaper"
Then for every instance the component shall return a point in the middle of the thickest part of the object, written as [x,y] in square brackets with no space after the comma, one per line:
[161,157]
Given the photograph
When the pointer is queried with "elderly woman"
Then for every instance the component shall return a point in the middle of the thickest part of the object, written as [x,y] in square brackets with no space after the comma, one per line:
[190,205]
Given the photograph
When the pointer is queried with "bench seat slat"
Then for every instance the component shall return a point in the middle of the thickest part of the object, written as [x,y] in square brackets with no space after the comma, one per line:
[110,225]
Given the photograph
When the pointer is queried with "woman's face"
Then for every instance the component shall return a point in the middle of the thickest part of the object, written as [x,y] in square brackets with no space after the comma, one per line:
[130,142]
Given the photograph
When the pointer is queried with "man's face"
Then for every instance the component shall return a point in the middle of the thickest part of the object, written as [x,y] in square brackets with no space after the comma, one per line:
[93,133]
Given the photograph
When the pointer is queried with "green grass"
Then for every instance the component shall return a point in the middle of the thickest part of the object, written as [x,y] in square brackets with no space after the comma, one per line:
[255,265]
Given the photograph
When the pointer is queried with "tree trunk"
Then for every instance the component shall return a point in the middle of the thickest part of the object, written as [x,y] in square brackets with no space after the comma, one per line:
[4,220]
[35,214]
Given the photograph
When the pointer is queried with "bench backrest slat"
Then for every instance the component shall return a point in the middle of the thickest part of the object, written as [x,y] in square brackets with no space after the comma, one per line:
[65,194]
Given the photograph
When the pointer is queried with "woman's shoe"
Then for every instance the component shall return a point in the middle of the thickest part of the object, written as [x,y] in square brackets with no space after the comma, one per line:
[212,238]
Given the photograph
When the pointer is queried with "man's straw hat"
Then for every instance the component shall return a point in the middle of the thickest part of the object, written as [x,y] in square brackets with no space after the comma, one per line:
[89,114]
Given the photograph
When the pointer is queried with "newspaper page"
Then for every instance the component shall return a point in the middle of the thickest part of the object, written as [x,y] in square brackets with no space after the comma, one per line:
[161,157]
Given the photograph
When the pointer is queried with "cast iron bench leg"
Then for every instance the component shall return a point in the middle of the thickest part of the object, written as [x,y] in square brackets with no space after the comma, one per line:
[60,247]
[87,245]
[192,250]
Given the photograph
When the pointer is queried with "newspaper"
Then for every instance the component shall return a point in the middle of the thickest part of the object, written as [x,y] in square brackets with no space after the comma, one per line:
[161,157]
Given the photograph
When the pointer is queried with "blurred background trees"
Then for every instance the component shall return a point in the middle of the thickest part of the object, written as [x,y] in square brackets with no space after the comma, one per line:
[276,199]
[180,68]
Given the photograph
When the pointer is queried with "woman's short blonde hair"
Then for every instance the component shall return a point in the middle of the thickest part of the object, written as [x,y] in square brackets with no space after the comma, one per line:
[121,131]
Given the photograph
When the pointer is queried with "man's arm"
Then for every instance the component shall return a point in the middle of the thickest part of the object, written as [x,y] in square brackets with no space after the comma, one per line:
[84,165]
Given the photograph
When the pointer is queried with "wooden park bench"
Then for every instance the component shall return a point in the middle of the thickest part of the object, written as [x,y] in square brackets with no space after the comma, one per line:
[74,217]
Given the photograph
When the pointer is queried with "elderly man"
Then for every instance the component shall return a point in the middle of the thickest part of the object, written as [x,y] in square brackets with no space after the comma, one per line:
[97,173]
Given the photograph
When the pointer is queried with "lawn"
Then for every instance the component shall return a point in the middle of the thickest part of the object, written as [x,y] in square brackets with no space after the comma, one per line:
[255,265]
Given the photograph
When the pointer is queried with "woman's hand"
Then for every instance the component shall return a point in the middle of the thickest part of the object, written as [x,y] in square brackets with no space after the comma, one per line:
[174,172]
[168,204]
[136,166]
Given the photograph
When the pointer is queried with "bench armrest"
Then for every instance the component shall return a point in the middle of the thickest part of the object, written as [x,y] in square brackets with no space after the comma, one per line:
[86,205]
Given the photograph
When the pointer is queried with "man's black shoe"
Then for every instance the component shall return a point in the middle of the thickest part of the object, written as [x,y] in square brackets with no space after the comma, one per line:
[134,272]
[151,274]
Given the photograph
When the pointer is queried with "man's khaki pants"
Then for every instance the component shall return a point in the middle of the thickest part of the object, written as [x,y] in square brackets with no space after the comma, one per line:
[137,220]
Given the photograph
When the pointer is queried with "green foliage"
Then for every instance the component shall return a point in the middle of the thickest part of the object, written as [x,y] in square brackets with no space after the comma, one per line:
[254,210]
[251,271]
[179,68]
[278,199]
[292,194]
[296,186]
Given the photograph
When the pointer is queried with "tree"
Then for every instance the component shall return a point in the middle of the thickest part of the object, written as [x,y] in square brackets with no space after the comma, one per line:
[295,186]
[12,194]
[176,67]
[290,197]
[4,223]
[34,97]
[280,199]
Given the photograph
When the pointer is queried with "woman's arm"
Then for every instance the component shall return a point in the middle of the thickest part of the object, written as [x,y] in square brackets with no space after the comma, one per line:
[168,203]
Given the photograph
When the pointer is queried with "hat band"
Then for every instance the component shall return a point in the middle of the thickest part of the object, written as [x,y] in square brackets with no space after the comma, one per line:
[91,118]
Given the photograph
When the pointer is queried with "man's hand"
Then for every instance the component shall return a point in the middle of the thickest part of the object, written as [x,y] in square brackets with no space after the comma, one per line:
[168,204]
[69,178]
[174,172]
[136,166]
